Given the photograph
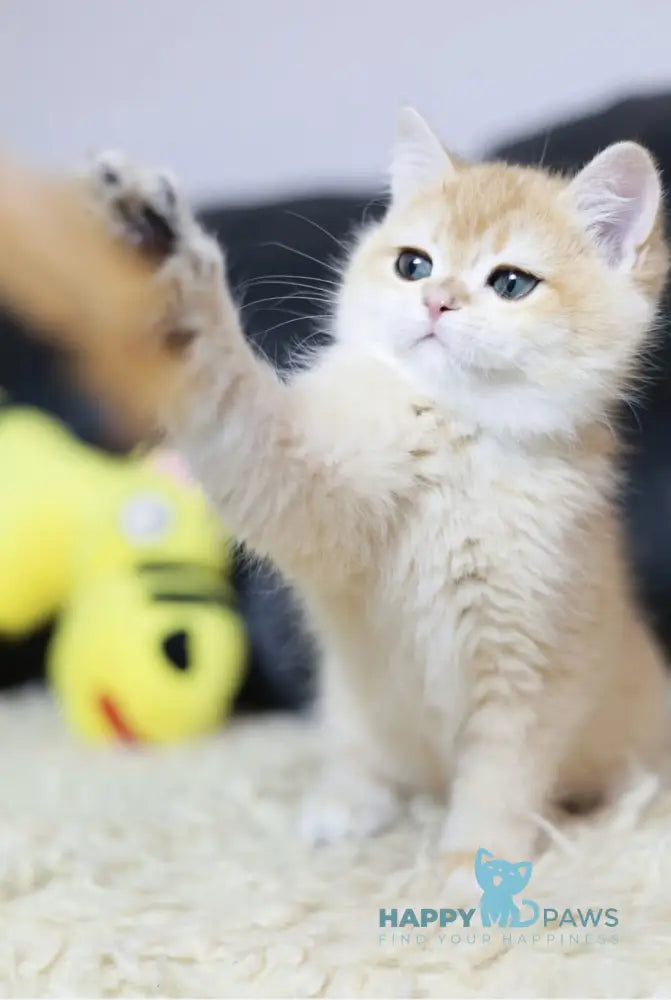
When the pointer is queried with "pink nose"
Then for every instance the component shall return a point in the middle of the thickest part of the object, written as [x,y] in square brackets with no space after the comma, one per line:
[438,302]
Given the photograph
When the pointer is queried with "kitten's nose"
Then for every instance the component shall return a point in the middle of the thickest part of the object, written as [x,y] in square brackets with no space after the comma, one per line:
[440,300]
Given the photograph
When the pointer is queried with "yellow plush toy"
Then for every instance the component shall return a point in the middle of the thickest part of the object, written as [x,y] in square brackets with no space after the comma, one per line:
[148,643]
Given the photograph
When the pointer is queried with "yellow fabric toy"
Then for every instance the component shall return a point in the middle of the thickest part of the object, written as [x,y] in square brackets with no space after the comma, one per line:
[148,644]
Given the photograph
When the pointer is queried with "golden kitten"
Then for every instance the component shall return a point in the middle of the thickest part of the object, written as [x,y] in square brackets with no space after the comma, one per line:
[439,485]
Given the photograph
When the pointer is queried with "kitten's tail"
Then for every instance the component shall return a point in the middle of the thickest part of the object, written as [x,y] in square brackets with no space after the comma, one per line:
[535,913]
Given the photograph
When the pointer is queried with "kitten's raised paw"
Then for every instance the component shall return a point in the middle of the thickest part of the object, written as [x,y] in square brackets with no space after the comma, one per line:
[143,206]
[145,209]
[350,808]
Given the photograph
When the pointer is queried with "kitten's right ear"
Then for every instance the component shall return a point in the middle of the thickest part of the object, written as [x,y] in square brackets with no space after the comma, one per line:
[418,157]
[618,194]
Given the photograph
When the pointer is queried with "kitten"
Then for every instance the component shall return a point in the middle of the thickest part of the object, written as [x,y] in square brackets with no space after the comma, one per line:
[439,485]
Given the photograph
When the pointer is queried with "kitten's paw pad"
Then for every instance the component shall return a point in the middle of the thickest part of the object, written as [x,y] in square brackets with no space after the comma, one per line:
[349,812]
[144,207]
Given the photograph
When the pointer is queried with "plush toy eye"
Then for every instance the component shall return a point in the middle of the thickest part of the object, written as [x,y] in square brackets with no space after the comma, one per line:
[412,265]
[176,648]
[512,283]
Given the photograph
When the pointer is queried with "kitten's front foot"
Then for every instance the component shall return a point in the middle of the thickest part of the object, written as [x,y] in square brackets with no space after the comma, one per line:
[346,805]
[461,840]
[145,209]
[463,836]
[174,371]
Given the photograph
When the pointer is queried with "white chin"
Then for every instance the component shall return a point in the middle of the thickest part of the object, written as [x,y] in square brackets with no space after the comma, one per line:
[439,359]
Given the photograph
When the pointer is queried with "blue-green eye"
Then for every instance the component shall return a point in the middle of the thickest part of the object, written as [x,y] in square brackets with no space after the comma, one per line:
[511,282]
[412,265]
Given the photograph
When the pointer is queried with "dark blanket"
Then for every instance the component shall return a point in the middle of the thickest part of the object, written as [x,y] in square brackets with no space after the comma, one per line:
[295,242]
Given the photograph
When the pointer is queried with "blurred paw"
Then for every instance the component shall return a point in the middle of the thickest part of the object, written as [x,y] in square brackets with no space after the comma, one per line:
[145,209]
[347,809]
[143,206]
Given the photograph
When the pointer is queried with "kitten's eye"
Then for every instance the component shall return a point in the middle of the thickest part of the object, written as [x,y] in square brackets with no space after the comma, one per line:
[412,265]
[511,283]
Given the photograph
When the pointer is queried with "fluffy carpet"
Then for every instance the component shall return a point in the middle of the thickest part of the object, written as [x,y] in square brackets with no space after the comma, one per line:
[176,873]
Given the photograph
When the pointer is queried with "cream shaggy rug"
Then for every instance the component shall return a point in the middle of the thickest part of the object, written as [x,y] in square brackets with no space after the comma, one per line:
[176,873]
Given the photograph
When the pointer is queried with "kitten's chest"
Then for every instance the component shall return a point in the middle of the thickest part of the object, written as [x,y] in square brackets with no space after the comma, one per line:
[483,539]
[471,507]
[490,527]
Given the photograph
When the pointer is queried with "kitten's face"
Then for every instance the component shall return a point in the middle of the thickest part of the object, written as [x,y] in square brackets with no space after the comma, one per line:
[487,285]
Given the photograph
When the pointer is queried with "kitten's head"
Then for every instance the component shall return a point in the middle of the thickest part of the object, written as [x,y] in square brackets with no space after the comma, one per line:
[499,873]
[520,297]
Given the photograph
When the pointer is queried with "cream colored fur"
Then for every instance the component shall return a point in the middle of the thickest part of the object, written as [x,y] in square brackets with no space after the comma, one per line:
[445,506]
[176,872]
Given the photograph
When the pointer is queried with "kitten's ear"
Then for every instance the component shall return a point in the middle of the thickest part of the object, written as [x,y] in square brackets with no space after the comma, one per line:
[618,194]
[418,157]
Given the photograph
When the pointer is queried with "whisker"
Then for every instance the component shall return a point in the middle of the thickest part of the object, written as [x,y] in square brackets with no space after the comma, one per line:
[279,299]
[546,142]
[311,222]
[308,342]
[289,279]
[631,406]
[301,253]
[303,354]
[299,315]
[292,277]
[298,286]
[375,200]
[285,322]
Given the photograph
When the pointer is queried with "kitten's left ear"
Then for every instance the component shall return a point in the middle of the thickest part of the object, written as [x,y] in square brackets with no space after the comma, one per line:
[618,194]
[418,157]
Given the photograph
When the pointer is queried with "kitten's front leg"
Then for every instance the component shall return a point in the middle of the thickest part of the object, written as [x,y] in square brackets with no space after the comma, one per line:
[505,769]
[493,798]
[292,469]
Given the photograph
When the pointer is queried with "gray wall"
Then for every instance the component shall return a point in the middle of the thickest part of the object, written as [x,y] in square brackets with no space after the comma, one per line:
[255,96]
